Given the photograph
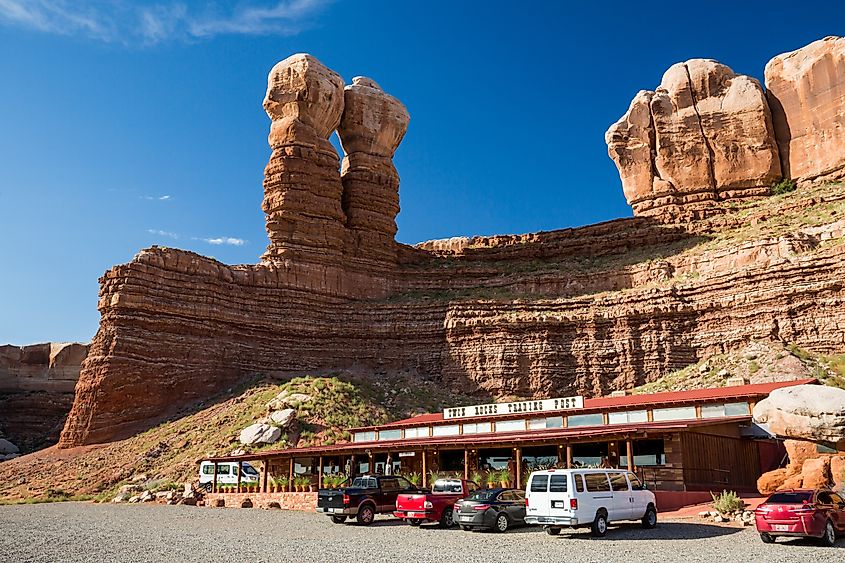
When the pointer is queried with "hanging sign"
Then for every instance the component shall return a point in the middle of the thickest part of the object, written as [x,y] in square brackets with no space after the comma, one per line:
[539,405]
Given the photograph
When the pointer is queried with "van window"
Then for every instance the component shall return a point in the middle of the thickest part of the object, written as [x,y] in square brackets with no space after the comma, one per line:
[636,485]
[208,470]
[618,482]
[579,483]
[557,484]
[539,484]
[596,482]
[223,469]
[249,470]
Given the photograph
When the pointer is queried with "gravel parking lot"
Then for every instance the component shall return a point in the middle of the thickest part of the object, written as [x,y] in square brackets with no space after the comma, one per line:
[90,532]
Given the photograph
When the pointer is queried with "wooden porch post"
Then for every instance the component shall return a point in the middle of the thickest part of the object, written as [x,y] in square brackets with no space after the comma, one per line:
[466,464]
[518,477]
[214,483]
[240,470]
[290,476]
[265,466]
[568,455]
[629,446]
[320,474]
[424,469]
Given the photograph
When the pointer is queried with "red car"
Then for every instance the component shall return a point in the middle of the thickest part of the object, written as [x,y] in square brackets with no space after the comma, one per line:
[801,513]
[434,506]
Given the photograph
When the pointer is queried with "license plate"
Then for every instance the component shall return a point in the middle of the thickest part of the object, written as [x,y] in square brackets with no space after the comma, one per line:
[780,528]
[466,518]
[558,504]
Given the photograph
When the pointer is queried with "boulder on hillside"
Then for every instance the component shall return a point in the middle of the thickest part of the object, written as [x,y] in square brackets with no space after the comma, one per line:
[805,412]
[260,433]
[286,399]
[282,418]
[6,447]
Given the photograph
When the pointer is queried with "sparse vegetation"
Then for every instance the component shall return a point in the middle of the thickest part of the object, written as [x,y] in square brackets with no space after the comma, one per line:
[784,187]
[727,502]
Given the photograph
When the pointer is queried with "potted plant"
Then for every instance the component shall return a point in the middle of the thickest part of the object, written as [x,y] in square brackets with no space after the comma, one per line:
[492,479]
[505,478]
[478,478]
[414,478]
[281,483]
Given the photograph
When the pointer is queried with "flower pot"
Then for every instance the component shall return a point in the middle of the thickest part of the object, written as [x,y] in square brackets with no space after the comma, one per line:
[505,484]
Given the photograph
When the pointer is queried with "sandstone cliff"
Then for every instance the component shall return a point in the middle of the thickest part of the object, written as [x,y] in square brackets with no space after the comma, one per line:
[708,135]
[581,311]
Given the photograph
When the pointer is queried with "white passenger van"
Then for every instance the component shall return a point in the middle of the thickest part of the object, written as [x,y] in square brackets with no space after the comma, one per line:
[227,474]
[555,498]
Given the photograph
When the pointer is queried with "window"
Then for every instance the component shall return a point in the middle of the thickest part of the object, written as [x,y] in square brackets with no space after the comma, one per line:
[249,470]
[729,409]
[418,432]
[223,469]
[365,483]
[476,427]
[636,485]
[447,430]
[483,495]
[824,498]
[790,498]
[674,413]
[389,485]
[519,496]
[507,496]
[626,417]
[208,470]
[579,483]
[390,435]
[365,436]
[557,484]
[596,482]
[836,499]
[539,483]
[404,484]
[586,419]
[447,486]
[543,423]
[736,409]
[618,482]
[510,425]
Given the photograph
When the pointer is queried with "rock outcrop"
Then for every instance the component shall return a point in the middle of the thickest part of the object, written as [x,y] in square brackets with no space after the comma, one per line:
[807,468]
[705,135]
[806,91]
[708,136]
[577,311]
[805,412]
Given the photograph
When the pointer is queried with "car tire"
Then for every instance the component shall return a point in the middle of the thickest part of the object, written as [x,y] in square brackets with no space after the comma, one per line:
[767,538]
[208,487]
[502,523]
[599,526]
[553,531]
[366,515]
[338,518]
[829,537]
[466,528]
[446,520]
[650,518]
[414,521]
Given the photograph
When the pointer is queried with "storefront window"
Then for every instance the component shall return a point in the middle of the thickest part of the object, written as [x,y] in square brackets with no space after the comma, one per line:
[390,435]
[626,417]
[736,409]
[476,427]
[543,423]
[446,430]
[303,466]
[730,409]
[510,425]
[418,432]
[646,453]
[595,419]
[674,413]
[365,436]
[588,455]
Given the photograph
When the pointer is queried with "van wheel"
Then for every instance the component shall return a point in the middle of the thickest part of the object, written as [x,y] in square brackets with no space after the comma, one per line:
[767,538]
[502,523]
[829,537]
[338,519]
[650,518]
[208,487]
[446,521]
[366,515]
[553,531]
[599,527]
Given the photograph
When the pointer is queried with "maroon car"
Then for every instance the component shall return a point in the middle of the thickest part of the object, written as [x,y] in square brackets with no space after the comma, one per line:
[801,513]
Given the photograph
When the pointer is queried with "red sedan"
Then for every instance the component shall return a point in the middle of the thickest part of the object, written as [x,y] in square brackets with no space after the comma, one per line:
[801,513]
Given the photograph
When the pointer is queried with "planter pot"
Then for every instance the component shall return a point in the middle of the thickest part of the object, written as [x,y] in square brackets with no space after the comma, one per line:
[505,484]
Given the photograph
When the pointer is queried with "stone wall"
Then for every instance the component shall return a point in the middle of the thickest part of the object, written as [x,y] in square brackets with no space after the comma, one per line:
[286,501]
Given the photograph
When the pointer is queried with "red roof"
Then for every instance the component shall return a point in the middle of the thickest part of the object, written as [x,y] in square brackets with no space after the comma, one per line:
[627,401]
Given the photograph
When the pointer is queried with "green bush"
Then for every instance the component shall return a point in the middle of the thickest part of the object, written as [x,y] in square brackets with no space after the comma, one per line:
[784,187]
[727,502]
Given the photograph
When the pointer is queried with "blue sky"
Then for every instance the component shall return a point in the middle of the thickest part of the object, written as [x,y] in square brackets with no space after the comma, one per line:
[127,124]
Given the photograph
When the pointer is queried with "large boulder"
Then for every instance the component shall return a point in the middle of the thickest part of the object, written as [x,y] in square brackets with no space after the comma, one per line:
[815,473]
[806,91]
[260,433]
[6,447]
[798,452]
[705,135]
[771,481]
[282,418]
[837,472]
[287,399]
[805,412]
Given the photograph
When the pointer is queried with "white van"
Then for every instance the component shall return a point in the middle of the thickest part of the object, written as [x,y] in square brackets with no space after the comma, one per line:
[555,498]
[227,474]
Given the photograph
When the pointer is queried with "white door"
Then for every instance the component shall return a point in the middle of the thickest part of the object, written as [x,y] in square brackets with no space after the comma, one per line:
[537,493]
[598,495]
[639,495]
[622,497]
[559,495]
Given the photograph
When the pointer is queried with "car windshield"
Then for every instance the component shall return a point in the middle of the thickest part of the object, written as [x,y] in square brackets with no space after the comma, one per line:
[484,495]
[790,498]
[364,483]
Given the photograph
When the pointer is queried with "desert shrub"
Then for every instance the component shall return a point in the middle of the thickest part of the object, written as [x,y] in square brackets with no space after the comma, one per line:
[727,502]
[784,187]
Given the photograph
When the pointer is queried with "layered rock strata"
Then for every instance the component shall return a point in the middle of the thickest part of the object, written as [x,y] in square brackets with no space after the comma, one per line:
[708,135]
[806,90]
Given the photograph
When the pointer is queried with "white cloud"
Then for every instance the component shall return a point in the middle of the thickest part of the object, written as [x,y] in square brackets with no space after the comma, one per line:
[151,22]
[161,233]
[153,197]
[225,240]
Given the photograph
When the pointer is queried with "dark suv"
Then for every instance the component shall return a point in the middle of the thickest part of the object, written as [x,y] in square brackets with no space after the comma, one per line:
[363,497]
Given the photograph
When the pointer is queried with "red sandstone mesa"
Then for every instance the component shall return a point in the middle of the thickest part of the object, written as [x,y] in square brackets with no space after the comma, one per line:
[335,292]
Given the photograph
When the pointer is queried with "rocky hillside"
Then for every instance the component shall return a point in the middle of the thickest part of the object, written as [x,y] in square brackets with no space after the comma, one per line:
[324,407]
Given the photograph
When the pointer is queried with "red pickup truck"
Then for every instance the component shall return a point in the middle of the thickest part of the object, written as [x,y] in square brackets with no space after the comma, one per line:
[433,506]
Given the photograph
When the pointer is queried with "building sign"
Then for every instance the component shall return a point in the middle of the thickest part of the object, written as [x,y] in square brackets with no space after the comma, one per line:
[493,409]
[407,454]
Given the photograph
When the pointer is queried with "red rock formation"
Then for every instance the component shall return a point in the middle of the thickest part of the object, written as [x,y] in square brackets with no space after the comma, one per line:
[806,90]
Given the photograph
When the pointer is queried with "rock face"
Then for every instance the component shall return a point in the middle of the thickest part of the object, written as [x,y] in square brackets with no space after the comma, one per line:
[705,135]
[806,90]
[805,412]
[260,433]
[576,311]
[807,468]
[708,136]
